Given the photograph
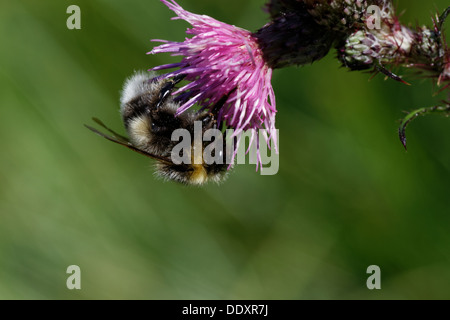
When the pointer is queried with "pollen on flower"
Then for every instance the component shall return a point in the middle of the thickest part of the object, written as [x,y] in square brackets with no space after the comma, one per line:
[222,60]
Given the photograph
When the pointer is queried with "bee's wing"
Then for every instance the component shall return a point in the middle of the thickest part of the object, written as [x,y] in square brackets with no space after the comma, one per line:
[119,139]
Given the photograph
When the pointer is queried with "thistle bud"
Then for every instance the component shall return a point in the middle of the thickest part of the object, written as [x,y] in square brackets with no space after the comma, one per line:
[294,38]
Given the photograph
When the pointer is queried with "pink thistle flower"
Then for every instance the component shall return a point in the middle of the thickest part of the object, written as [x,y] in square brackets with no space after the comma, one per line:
[223,60]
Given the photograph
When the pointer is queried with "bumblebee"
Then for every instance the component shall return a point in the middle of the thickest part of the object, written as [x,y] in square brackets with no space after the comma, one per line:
[148,112]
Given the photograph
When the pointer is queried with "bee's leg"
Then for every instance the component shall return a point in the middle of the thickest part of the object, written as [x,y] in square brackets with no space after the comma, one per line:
[210,119]
[167,89]
[162,116]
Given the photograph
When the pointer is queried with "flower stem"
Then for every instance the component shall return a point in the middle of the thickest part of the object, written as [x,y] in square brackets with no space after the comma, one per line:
[445,110]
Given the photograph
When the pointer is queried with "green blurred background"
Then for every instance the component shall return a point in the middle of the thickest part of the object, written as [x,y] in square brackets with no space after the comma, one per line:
[347,195]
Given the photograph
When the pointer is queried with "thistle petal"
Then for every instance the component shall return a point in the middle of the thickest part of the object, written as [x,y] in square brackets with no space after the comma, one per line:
[220,60]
